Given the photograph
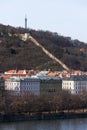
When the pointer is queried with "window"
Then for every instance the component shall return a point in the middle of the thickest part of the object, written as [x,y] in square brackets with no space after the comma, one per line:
[76,92]
[17,83]
[16,88]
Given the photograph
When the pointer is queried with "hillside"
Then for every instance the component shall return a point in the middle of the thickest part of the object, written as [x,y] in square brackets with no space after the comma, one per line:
[15,53]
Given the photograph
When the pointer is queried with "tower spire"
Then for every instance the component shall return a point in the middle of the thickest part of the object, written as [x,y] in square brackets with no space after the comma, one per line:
[25,22]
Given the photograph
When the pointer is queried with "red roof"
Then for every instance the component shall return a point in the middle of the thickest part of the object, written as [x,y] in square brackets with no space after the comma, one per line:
[6,77]
[11,71]
[52,74]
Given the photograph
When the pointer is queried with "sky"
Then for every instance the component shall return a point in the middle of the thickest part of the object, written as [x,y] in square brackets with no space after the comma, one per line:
[66,17]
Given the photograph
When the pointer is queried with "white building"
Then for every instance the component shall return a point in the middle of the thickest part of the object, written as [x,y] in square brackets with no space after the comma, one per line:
[23,84]
[75,84]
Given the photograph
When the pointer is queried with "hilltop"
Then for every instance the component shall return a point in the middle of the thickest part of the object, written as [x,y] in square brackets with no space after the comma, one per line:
[15,53]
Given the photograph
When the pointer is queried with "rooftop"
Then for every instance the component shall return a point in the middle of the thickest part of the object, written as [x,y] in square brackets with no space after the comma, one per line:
[77,78]
[14,78]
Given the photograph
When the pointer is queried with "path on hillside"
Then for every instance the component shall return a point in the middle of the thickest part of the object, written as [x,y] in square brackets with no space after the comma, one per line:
[47,52]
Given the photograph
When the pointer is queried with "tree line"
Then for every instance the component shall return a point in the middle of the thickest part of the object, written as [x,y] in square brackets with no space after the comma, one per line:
[54,102]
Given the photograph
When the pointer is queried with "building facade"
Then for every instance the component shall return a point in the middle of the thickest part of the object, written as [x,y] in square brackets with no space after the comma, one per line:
[1,86]
[23,85]
[50,85]
[75,84]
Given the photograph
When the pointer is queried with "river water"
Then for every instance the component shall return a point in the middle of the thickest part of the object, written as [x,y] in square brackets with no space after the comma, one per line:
[64,124]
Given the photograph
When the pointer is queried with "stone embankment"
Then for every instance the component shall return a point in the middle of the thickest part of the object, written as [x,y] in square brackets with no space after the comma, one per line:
[11,118]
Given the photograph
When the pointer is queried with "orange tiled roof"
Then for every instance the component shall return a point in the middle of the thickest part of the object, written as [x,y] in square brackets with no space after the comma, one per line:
[10,71]
[52,74]
[6,77]
[19,75]
[20,71]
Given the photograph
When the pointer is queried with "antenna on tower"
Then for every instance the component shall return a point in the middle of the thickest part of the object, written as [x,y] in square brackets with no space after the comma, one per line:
[25,22]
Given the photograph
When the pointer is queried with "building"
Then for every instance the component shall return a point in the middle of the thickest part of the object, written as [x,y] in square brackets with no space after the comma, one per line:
[19,72]
[14,72]
[75,84]
[23,85]
[1,83]
[1,86]
[50,84]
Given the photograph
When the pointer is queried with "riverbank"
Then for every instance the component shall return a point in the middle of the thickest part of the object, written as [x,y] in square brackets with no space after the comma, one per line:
[12,118]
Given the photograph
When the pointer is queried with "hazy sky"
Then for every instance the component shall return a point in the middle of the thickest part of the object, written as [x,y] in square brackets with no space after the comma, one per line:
[66,17]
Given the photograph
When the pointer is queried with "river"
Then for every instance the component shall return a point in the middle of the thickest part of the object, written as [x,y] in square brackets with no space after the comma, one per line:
[63,124]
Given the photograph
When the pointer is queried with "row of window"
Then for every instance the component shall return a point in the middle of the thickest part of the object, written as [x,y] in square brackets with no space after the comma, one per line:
[19,83]
[13,83]
[76,83]
[75,88]
[29,88]
[24,88]
[67,83]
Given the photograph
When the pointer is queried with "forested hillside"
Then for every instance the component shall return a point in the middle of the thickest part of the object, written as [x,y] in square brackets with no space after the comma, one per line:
[15,53]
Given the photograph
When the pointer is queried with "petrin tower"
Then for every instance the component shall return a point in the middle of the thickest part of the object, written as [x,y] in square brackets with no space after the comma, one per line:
[25,22]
